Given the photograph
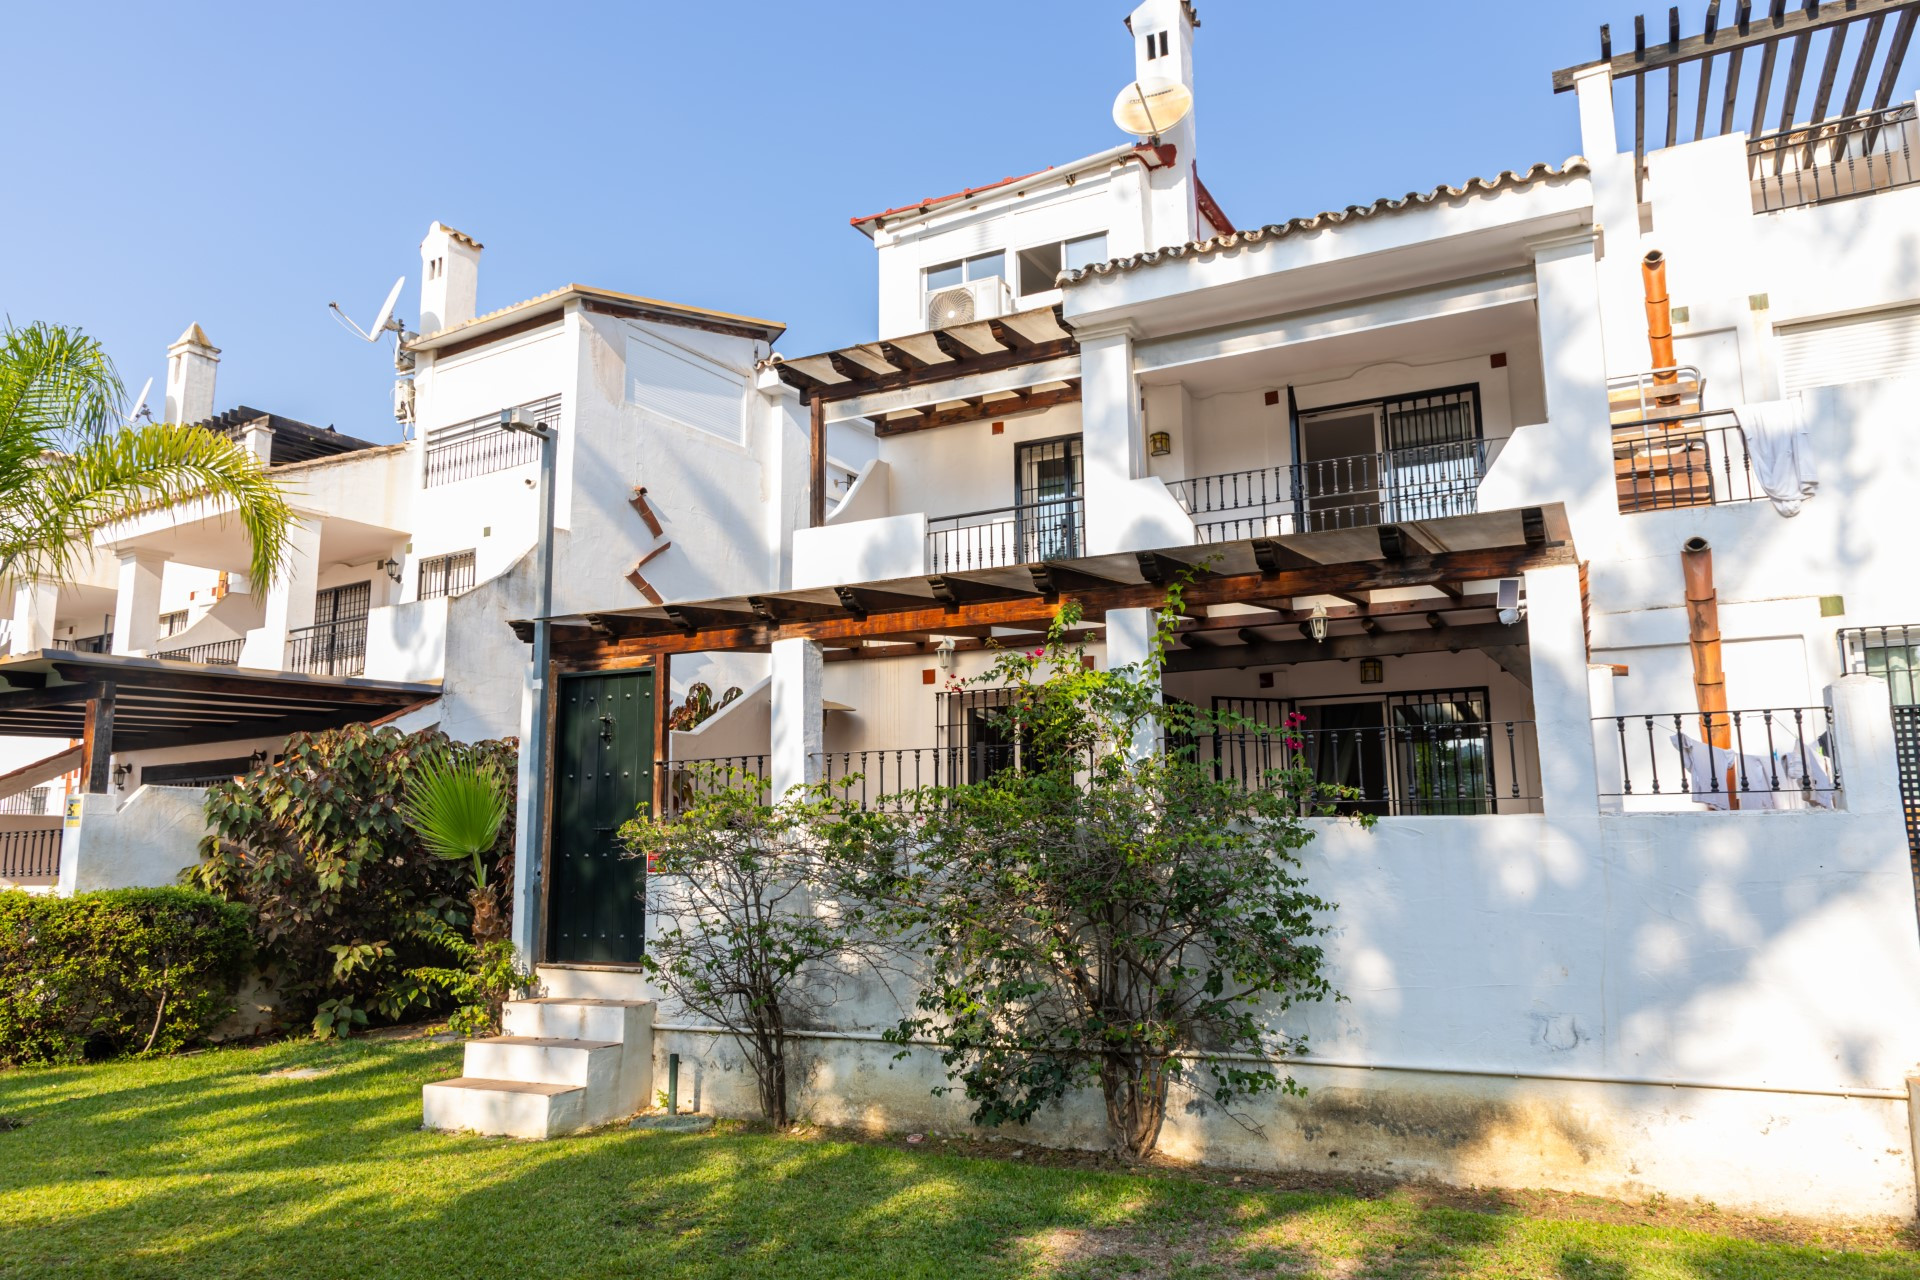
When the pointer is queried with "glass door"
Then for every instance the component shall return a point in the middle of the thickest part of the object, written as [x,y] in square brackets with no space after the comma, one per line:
[1433,456]
[1340,468]
[1047,517]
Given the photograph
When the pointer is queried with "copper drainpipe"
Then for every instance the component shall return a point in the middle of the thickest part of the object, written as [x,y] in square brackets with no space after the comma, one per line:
[1653,275]
[1703,641]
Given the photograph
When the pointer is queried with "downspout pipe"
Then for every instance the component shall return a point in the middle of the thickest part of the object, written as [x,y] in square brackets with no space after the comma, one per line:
[1653,277]
[1703,643]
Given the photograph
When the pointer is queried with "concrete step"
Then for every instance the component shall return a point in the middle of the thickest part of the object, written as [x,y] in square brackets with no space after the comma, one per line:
[515,1108]
[543,1059]
[593,982]
[626,1022]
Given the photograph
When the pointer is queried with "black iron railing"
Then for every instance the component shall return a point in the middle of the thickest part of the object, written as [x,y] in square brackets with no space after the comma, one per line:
[1698,460]
[1425,482]
[447,575]
[1892,653]
[1766,758]
[215,653]
[1397,770]
[684,781]
[31,801]
[481,445]
[329,649]
[1046,529]
[1833,160]
[87,644]
[30,855]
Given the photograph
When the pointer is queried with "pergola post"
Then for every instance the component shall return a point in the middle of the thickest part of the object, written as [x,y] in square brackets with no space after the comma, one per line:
[817,463]
[96,756]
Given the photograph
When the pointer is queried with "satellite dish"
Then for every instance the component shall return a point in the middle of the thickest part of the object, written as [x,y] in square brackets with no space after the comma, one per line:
[383,322]
[140,409]
[1148,108]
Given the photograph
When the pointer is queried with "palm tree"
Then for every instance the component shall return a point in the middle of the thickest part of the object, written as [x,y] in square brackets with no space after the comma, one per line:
[68,466]
[457,804]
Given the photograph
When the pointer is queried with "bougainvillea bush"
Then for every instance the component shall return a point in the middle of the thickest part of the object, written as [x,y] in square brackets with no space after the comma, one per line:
[355,919]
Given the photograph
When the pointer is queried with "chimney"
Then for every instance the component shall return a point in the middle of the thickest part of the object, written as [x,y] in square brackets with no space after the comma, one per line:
[1163,50]
[449,278]
[191,364]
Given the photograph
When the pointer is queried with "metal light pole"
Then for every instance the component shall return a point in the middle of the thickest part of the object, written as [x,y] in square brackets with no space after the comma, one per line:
[536,745]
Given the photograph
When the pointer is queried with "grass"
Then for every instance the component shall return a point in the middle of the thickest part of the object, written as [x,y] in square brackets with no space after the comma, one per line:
[207,1166]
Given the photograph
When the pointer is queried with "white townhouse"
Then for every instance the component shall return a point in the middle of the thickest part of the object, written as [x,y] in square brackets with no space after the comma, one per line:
[1565,505]
[163,669]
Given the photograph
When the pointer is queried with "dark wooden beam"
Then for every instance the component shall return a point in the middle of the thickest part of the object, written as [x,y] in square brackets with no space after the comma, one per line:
[1052,579]
[1706,72]
[1007,336]
[1000,407]
[186,683]
[58,695]
[965,361]
[1779,25]
[96,740]
[1863,65]
[817,464]
[901,358]
[1796,68]
[861,601]
[1030,610]
[1896,54]
[695,617]
[776,610]
[952,589]
[1823,91]
[1388,644]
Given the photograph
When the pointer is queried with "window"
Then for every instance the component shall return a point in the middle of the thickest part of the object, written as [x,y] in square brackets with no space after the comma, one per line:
[1040,266]
[446,575]
[172,624]
[1156,45]
[978,267]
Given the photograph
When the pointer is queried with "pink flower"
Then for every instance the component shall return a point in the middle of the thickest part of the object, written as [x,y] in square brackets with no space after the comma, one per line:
[1295,743]
[1038,653]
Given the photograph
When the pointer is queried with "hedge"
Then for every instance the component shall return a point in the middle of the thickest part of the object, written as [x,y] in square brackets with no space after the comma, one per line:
[97,975]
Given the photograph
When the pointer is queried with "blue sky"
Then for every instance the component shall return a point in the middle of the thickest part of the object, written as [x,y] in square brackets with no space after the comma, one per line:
[242,165]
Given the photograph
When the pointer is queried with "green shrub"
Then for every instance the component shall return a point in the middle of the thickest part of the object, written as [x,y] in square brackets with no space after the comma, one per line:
[142,971]
[352,911]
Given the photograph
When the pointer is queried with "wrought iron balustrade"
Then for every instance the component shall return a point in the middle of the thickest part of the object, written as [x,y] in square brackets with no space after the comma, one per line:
[215,653]
[30,855]
[32,801]
[329,649]
[1046,529]
[1395,770]
[480,446]
[86,644]
[1424,482]
[1695,460]
[685,781]
[1767,758]
[1833,160]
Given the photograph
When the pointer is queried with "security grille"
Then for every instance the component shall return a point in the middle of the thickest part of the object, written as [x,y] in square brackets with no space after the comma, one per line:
[446,575]
[480,446]
[1893,654]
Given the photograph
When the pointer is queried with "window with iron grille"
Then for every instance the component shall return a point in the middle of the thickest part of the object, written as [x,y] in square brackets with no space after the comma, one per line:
[446,575]
[481,446]
[172,624]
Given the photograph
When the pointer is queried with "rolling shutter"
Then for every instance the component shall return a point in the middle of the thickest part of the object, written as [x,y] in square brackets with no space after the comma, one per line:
[1883,344]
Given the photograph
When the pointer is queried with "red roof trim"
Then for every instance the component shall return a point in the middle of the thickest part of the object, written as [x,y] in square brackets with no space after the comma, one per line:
[1146,152]
[1210,208]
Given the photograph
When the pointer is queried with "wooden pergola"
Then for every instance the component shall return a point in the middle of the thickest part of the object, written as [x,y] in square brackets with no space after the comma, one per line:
[115,703]
[1240,602]
[1765,30]
[1020,363]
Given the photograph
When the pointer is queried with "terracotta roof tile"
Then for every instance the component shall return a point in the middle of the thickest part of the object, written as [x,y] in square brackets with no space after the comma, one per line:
[1508,180]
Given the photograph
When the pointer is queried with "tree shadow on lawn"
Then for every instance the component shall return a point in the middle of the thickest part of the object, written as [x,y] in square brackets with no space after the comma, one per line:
[216,1171]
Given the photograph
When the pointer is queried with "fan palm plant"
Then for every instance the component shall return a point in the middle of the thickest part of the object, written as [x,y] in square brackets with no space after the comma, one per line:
[68,465]
[457,805]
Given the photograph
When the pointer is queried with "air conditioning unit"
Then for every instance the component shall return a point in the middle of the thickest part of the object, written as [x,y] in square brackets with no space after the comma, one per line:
[985,299]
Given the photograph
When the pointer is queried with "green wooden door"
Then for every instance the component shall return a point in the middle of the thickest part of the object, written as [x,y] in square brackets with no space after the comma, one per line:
[603,759]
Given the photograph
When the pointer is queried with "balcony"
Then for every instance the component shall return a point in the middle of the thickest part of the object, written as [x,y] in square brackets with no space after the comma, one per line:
[1425,482]
[1025,534]
[329,649]
[1833,160]
[215,653]
[1769,758]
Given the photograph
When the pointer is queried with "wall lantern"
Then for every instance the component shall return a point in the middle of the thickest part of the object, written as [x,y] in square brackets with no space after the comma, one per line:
[1372,671]
[120,772]
[1317,622]
[257,759]
[1159,443]
[391,568]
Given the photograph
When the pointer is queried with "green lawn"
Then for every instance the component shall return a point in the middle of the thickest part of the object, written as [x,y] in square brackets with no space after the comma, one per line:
[199,1166]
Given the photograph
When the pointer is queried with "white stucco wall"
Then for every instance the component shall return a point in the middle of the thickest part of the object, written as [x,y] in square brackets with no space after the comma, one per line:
[145,838]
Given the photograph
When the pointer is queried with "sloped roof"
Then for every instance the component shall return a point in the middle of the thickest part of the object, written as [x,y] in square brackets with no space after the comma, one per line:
[646,308]
[1508,180]
[293,440]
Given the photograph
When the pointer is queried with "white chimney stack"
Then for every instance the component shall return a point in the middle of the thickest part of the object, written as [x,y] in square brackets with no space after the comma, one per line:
[191,364]
[1163,50]
[449,278]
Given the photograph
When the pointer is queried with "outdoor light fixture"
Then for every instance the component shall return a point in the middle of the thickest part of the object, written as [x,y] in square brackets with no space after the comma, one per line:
[257,759]
[943,652]
[1159,443]
[391,568]
[1372,671]
[1317,622]
[120,772]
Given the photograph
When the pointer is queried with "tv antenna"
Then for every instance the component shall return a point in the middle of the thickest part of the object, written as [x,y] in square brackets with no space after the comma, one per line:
[385,322]
[1147,108]
[140,411]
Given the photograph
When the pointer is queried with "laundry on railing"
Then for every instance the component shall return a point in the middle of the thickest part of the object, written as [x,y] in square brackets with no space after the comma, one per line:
[1781,452]
[1791,775]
